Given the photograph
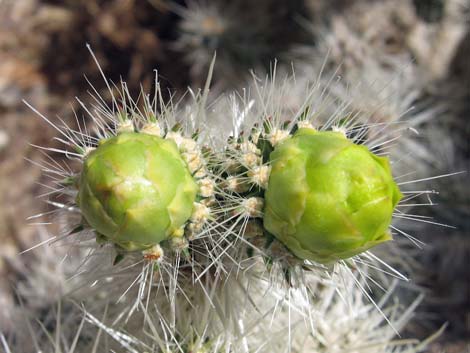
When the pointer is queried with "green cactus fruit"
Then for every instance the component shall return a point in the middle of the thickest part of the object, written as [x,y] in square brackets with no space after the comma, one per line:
[328,198]
[136,190]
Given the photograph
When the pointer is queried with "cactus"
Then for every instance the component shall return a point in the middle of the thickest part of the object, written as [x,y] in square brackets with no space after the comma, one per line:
[227,197]
[136,190]
[327,198]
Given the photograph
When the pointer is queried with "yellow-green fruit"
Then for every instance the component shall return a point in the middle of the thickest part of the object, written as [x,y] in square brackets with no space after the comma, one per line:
[328,198]
[136,190]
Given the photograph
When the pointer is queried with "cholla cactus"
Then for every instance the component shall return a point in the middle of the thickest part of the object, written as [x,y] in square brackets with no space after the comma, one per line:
[326,322]
[229,322]
[342,201]
[219,249]
[378,83]
[145,190]
[136,190]
[392,32]
[246,161]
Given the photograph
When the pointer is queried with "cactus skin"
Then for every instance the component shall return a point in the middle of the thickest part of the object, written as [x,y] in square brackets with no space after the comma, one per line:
[136,190]
[328,198]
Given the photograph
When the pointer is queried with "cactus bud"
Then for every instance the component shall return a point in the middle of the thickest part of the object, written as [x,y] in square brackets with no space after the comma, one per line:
[328,198]
[136,190]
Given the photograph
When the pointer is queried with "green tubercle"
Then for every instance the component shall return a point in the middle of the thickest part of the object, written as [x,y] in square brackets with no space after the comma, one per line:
[135,190]
[327,198]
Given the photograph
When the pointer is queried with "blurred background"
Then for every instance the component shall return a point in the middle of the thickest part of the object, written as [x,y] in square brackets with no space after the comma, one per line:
[425,43]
